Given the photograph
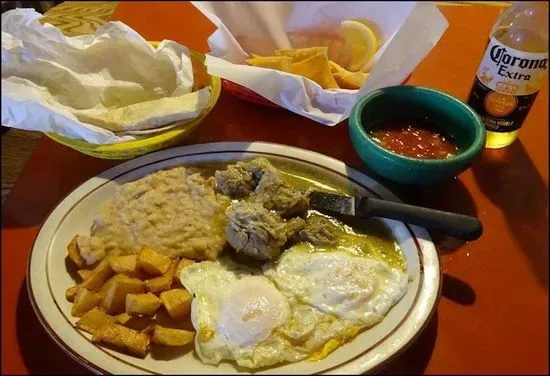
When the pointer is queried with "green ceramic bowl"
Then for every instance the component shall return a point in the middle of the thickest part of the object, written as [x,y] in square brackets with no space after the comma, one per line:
[412,103]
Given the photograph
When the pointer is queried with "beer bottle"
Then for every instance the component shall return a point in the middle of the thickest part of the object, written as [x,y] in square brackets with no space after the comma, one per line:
[512,71]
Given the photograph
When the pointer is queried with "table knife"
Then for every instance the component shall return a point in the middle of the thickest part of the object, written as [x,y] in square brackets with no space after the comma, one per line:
[457,225]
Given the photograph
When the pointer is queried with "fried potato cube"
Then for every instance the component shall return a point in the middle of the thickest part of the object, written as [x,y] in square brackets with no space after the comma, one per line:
[99,275]
[177,303]
[142,324]
[74,253]
[84,301]
[159,284]
[70,294]
[113,297]
[142,304]
[317,69]
[162,283]
[94,320]
[281,63]
[183,263]
[172,337]
[124,339]
[84,273]
[103,289]
[152,262]
[124,264]
[300,54]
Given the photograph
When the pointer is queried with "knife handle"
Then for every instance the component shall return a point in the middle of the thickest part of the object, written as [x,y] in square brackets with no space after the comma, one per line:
[458,225]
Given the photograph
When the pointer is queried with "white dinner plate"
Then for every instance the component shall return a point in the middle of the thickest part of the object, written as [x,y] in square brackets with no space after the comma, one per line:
[48,277]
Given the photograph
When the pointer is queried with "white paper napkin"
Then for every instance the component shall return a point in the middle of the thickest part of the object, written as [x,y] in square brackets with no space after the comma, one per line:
[109,87]
[409,31]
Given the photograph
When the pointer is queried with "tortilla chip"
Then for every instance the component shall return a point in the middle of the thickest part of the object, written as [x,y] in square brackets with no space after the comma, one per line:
[346,79]
[316,68]
[352,81]
[335,68]
[281,63]
[300,54]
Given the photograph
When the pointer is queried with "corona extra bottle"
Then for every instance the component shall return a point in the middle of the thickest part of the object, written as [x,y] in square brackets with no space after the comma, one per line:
[512,71]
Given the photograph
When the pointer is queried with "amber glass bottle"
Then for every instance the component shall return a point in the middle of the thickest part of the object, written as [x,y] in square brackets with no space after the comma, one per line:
[512,71]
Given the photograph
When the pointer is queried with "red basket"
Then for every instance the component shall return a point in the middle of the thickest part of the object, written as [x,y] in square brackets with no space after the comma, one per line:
[250,96]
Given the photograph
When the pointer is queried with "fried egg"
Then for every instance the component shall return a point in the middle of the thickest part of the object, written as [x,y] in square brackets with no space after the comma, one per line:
[303,306]
[235,311]
[350,287]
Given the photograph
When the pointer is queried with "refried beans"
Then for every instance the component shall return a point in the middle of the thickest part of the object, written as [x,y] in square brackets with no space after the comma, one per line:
[176,212]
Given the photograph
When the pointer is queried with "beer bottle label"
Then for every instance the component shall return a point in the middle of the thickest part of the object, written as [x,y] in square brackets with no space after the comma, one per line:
[506,85]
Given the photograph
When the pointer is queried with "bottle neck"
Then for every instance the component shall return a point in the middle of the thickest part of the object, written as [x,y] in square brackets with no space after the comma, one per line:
[524,26]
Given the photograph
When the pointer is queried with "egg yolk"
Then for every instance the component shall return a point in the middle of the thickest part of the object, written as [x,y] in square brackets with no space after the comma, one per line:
[253,308]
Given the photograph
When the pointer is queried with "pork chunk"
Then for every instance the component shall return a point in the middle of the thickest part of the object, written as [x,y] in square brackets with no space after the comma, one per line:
[318,230]
[235,182]
[274,193]
[239,180]
[262,183]
[257,232]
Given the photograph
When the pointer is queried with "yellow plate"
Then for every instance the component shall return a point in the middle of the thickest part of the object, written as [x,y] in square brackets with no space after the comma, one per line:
[131,149]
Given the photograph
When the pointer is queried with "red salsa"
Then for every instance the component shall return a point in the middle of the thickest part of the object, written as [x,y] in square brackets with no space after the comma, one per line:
[415,140]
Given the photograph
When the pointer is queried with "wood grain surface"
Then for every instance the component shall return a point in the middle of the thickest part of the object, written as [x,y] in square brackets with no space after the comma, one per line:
[73,18]
[80,17]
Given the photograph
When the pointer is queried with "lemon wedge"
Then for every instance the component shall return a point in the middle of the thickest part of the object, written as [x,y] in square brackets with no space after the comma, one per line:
[361,42]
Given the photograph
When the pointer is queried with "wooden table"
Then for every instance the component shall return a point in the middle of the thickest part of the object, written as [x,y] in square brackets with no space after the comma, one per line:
[492,317]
